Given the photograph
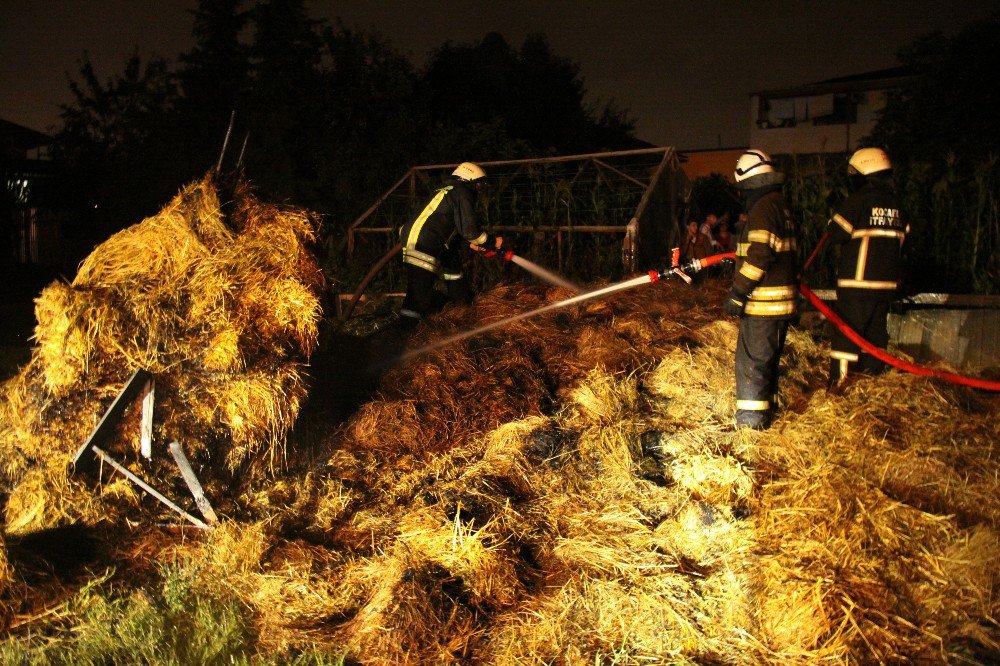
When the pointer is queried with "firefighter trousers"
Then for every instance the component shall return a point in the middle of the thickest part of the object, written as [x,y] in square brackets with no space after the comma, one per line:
[421,298]
[758,352]
[867,318]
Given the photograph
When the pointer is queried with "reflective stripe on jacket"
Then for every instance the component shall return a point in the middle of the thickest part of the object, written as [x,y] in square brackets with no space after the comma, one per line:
[767,257]
[449,217]
[871,229]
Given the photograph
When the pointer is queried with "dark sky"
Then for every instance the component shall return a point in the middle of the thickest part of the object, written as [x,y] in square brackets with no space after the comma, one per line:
[683,68]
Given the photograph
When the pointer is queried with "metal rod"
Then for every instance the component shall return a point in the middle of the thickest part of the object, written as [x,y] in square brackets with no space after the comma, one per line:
[652,181]
[556,159]
[371,209]
[104,457]
[239,161]
[620,173]
[372,272]
[593,228]
[82,462]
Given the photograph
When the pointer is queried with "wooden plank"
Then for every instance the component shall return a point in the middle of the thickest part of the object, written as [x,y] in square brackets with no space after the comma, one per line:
[83,460]
[191,479]
[102,455]
[146,425]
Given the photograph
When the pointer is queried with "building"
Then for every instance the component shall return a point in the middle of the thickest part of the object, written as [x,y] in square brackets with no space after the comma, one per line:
[704,162]
[27,234]
[831,116]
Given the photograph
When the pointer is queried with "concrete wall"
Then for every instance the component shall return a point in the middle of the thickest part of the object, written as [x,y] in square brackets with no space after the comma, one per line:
[966,339]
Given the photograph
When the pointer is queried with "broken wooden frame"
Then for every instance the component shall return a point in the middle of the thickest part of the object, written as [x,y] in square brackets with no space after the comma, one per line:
[653,227]
[92,455]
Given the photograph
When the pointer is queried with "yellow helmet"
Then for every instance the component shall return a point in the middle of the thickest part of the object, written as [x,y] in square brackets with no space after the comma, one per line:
[469,171]
[868,161]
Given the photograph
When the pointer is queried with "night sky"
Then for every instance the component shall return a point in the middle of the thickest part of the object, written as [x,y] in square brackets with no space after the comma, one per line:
[683,69]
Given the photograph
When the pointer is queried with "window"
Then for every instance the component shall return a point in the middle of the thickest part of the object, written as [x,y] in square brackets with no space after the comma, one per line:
[843,112]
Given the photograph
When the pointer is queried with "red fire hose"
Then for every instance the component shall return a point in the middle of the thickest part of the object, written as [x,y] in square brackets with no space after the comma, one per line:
[885,356]
[880,353]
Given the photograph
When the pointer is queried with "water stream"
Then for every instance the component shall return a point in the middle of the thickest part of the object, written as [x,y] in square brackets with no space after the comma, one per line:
[597,293]
[545,274]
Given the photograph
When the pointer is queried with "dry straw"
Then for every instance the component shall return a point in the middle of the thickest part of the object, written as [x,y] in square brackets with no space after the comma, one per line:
[569,490]
[220,304]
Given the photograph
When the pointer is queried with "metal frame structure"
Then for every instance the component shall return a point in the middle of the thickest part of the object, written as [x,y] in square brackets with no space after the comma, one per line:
[655,174]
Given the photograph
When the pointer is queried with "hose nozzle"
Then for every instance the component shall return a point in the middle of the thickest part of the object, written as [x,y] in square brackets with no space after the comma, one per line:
[688,268]
[502,255]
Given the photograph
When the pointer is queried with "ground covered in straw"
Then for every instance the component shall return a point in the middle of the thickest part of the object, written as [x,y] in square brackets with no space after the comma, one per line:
[565,490]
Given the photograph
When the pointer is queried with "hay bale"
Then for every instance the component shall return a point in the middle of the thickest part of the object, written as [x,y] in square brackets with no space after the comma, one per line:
[222,308]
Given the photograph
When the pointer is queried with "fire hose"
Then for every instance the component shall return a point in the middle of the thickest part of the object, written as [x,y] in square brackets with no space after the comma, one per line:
[880,353]
[502,255]
[692,266]
[380,264]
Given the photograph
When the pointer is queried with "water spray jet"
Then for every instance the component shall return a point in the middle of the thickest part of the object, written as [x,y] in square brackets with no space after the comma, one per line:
[536,270]
[652,277]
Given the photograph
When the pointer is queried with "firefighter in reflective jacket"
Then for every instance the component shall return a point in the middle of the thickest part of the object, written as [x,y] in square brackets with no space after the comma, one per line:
[764,292]
[871,229]
[435,243]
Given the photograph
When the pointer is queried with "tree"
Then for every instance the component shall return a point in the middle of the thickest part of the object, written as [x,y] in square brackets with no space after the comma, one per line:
[944,140]
[372,118]
[285,103]
[952,103]
[116,153]
[531,96]
[214,79]
[333,115]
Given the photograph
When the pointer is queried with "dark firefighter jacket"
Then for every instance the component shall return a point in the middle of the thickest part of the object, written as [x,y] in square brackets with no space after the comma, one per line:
[450,217]
[767,256]
[872,230]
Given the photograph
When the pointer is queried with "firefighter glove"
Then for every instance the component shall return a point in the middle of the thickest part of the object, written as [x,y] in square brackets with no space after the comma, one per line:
[489,246]
[735,303]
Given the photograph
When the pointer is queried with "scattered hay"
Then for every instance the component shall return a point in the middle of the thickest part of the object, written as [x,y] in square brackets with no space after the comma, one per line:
[570,490]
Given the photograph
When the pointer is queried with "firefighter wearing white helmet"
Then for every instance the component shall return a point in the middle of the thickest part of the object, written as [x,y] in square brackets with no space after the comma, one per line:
[765,287]
[870,229]
[436,242]
[751,164]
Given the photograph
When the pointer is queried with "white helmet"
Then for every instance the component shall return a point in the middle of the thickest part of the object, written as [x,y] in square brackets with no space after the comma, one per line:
[469,171]
[868,161]
[752,163]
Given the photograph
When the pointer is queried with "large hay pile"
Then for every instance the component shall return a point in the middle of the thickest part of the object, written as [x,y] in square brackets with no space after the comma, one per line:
[218,299]
[569,490]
